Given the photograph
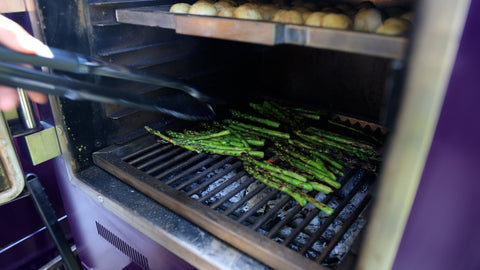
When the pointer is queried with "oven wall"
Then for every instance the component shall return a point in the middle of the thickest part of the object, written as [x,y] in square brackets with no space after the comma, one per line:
[236,72]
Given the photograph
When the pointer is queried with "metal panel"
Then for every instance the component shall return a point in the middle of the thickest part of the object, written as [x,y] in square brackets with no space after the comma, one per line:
[12,180]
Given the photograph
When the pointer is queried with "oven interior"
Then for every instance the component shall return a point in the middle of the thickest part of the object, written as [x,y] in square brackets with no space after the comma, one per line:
[355,89]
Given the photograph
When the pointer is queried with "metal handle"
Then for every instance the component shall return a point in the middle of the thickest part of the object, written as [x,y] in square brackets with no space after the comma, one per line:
[27,115]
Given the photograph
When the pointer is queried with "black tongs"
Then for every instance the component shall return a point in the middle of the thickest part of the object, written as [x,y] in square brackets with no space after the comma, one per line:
[188,103]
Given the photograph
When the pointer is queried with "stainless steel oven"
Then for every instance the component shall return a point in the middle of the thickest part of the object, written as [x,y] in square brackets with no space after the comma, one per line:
[136,201]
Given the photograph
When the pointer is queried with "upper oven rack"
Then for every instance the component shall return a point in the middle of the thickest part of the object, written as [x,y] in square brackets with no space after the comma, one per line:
[266,33]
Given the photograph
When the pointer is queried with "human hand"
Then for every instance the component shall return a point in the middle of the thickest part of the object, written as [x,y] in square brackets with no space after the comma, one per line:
[14,36]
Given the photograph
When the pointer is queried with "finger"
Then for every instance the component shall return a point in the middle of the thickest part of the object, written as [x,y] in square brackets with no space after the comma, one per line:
[14,36]
[8,98]
[37,97]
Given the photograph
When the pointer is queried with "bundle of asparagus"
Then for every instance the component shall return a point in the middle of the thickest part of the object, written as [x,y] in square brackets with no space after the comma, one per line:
[316,157]
[222,142]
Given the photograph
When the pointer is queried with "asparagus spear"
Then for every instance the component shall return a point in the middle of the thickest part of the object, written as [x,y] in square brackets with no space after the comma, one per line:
[318,164]
[208,147]
[308,169]
[281,113]
[283,187]
[238,136]
[265,131]
[300,144]
[170,140]
[213,135]
[321,206]
[339,138]
[276,169]
[321,187]
[354,130]
[255,119]
[358,152]
[301,197]
[303,185]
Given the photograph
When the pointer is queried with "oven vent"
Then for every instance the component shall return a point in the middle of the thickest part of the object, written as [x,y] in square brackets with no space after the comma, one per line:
[121,245]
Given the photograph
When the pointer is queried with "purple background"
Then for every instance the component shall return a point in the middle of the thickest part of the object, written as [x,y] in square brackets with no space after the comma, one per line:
[443,228]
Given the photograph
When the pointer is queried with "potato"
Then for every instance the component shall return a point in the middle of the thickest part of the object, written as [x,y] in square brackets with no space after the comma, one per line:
[300,9]
[315,19]
[231,2]
[305,15]
[367,20]
[288,16]
[276,15]
[221,5]
[393,26]
[365,4]
[226,12]
[205,1]
[248,11]
[203,8]
[250,5]
[180,8]
[267,10]
[335,20]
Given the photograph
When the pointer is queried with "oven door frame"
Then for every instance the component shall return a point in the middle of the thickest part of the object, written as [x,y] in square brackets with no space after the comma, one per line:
[432,53]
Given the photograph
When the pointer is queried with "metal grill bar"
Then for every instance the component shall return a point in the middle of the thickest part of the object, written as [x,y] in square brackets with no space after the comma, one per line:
[180,166]
[270,213]
[232,193]
[193,169]
[222,186]
[254,209]
[245,198]
[284,221]
[214,179]
[142,151]
[334,241]
[157,158]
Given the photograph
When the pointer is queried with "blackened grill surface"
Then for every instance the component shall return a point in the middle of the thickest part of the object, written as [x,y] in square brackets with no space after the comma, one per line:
[207,189]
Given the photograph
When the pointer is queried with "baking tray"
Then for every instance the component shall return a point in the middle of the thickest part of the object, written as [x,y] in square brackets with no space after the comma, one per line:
[265,32]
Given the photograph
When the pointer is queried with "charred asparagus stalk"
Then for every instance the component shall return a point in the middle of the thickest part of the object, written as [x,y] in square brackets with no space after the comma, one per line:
[301,197]
[339,138]
[283,187]
[255,119]
[318,164]
[354,130]
[272,168]
[358,152]
[206,146]
[311,170]
[256,129]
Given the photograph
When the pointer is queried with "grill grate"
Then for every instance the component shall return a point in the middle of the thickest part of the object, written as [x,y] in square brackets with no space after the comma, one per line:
[213,185]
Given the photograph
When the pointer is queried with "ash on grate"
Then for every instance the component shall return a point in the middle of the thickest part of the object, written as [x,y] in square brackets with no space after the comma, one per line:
[342,248]
[256,198]
[222,193]
[344,245]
